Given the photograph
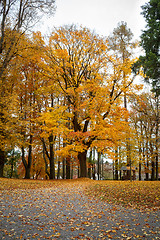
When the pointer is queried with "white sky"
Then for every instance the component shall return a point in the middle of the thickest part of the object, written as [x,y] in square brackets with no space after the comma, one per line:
[99,15]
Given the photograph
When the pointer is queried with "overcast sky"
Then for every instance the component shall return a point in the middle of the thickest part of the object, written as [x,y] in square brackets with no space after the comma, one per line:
[99,15]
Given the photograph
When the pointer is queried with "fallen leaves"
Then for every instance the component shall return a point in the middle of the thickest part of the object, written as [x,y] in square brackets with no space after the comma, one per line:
[142,195]
[33,209]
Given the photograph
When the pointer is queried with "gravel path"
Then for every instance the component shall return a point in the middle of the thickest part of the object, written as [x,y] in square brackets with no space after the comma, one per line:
[64,212]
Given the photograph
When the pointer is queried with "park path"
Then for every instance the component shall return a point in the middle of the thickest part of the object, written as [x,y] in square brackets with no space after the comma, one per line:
[65,212]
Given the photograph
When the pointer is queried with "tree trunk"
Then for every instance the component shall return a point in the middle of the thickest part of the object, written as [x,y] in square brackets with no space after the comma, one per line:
[157,137]
[78,172]
[27,165]
[12,168]
[140,163]
[51,158]
[2,162]
[72,171]
[93,172]
[82,157]
[28,169]
[152,163]
[147,163]
[90,164]
[58,171]
[140,167]
[68,168]
[153,171]
[45,161]
[27,173]
[98,169]
[116,164]
[63,169]
[157,145]
[157,167]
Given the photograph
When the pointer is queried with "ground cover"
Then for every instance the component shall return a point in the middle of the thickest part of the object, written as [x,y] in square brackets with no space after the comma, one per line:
[136,194]
[76,209]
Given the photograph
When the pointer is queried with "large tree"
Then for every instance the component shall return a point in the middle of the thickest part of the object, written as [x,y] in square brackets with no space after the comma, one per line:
[91,80]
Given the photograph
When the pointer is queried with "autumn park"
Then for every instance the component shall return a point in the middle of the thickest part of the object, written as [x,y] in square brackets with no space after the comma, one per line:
[79,128]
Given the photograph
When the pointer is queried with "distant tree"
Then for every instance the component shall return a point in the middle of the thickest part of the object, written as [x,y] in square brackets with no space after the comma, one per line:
[144,116]
[12,159]
[150,42]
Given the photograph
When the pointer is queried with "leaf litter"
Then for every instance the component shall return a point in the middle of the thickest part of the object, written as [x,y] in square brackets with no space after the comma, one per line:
[72,209]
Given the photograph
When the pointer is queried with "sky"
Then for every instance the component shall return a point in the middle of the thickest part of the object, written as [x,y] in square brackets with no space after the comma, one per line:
[102,16]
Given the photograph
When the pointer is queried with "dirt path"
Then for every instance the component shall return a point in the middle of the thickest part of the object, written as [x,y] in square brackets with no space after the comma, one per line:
[64,212]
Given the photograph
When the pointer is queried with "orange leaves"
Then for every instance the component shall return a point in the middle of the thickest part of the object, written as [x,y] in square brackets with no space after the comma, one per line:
[54,120]
[143,195]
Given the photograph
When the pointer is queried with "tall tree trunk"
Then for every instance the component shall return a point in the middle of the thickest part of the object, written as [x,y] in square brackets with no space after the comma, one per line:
[12,168]
[26,164]
[147,163]
[157,142]
[90,164]
[68,167]
[2,162]
[63,168]
[140,171]
[120,162]
[27,173]
[152,163]
[129,174]
[58,171]
[82,157]
[78,171]
[147,157]
[116,163]
[51,158]
[45,161]
[153,170]
[93,172]
[72,170]
[98,163]
[140,164]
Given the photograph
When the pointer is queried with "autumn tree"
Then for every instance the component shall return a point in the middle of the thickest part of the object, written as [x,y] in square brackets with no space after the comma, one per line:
[122,44]
[144,116]
[28,100]
[149,61]
[15,17]
[91,80]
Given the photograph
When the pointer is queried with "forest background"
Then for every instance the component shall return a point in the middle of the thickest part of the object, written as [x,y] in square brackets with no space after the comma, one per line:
[70,102]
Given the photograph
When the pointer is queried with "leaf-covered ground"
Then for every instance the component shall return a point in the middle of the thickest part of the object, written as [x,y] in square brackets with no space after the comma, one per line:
[72,209]
[142,195]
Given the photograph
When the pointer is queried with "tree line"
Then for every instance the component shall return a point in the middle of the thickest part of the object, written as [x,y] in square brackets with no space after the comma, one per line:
[71,99]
